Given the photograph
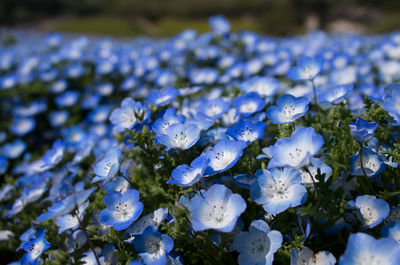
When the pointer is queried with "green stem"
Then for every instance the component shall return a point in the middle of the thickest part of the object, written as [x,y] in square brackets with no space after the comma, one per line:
[88,238]
[314,182]
[361,161]
[127,180]
[315,94]
[369,187]
[206,248]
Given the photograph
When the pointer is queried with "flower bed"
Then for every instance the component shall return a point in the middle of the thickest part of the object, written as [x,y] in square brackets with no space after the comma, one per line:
[219,148]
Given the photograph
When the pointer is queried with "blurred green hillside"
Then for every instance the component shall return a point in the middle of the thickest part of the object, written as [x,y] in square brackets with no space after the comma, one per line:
[167,17]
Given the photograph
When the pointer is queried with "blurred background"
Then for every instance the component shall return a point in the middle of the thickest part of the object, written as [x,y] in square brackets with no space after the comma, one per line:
[162,18]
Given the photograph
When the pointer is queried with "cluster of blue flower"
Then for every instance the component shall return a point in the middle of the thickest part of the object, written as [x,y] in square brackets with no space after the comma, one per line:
[142,152]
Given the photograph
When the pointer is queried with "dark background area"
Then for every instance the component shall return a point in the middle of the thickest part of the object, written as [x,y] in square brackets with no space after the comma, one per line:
[167,17]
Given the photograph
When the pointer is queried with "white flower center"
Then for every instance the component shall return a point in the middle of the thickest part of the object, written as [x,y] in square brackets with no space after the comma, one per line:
[396,236]
[309,71]
[189,174]
[222,159]
[278,189]
[180,139]
[259,245]
[36,248]
[154,247]
[128,116]
[123,211]
[248,107]
[296,155]
[247,134]
[24,125]
[213,110]
[369,214]
[216,215]
[76,137]
[371,164]
[370,258]
[165,126]
[289,111]
[108,165]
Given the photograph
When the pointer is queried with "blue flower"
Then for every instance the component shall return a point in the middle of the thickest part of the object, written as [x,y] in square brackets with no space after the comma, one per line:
[122,209]
[213,109]
[58,118]
[90,259]
[392,104]
[99,114]
[223,156]
[179,136]
[66,205]
[54,155]
[22,126]
[247,131]
[118,184]
[164,78]
[130,114]
[316,163]
[84,150]
[186,176]
[371,211]
[90,101]
[219,24]
[219,209]
[264,86]
[153,246]
[243,180]
[129,83]
[104,66]
[53,40]
[73,137]
[6,191]
[67,99]
[106,168]
[8,81]
[58,86]
[340,60]
[336,94]
[162,97]
[152,219]
[258,246]
[14,149]
[200,121]
[105,89]
[372,162]
[392,230]
[70,221]
[362,130]
[170,117]
[34,247]
[288,109]
[307,257]
[307,68]
[248,104]
[204,76]
[364,249]
[28,195]
[48,75]
[278,189]
[297,150]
